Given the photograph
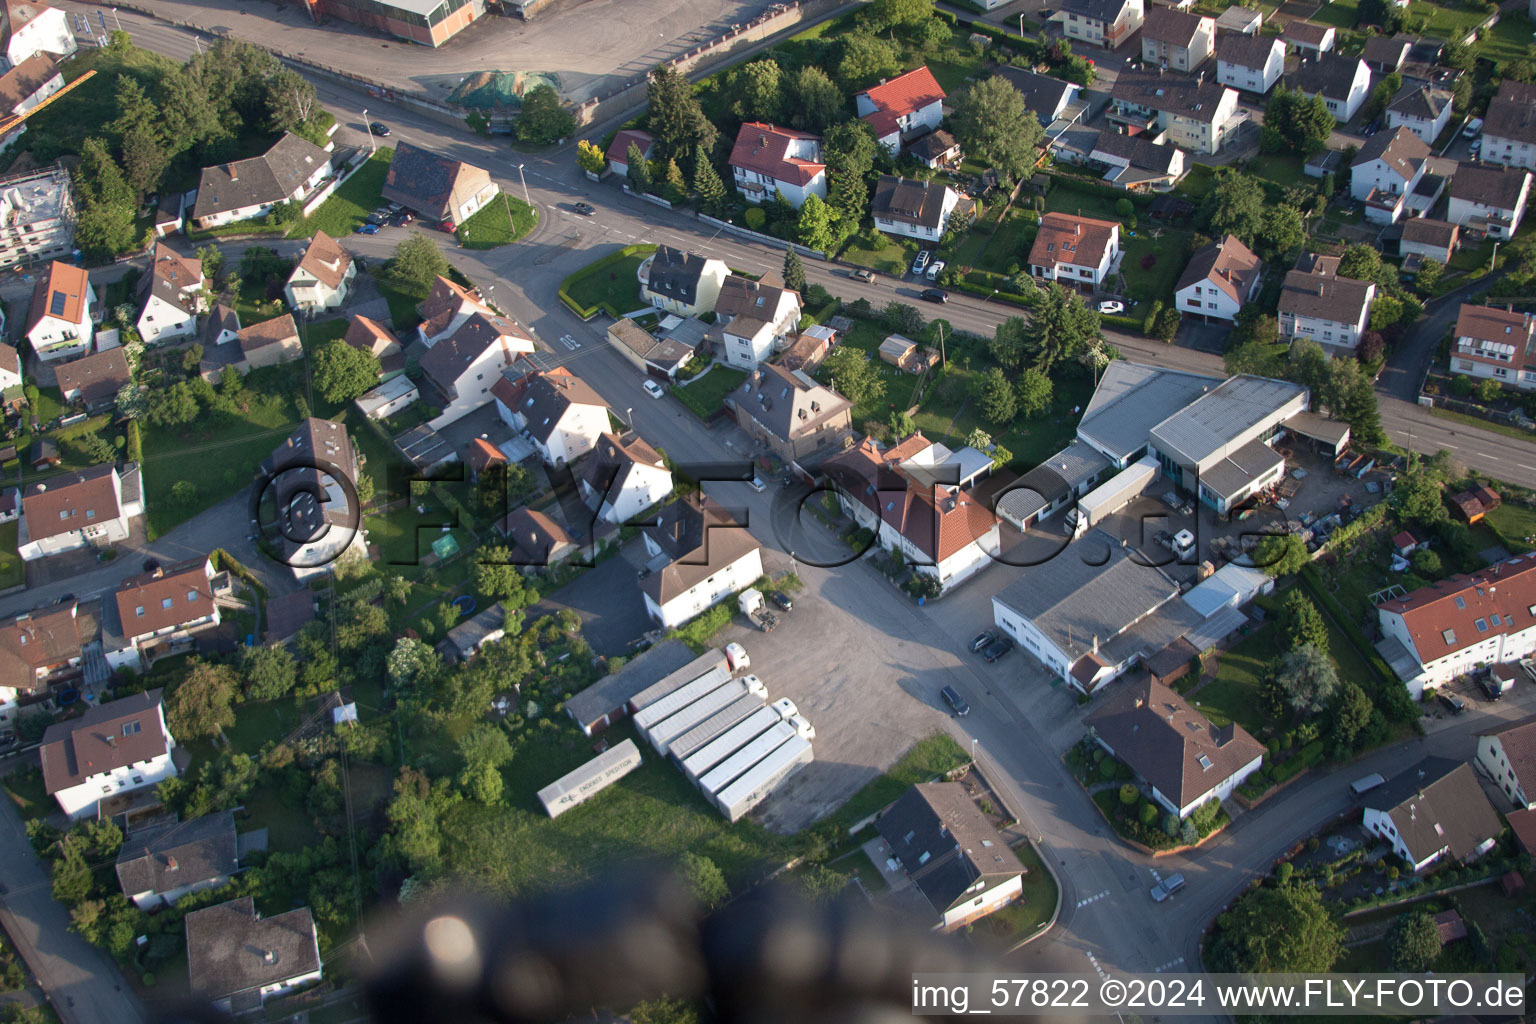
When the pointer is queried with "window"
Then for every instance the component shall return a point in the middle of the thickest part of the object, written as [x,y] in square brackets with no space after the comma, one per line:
[1482,625]
[191,595]
[1205,763]
[1210,305]
[139,610]
[1461,603]
[131,728]
[138,780]
[1448,635]
[90,513]
[165,603]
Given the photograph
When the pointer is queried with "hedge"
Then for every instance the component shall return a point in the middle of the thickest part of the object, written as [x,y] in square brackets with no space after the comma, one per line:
[587,313]
[1297,763]
[1125,323]
[1331,606]
[239,227]
[135,445]
[1074,183]
[223,561]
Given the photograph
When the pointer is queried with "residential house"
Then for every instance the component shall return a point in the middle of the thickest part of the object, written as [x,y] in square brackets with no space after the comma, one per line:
[237,959]
[482,456]
[791,413]
[370,336]
[37,216]
[445,192]
[1386,173]
[1447,629]
[25,85]
[1049,99]
[936,150]
[82,507]
[915,209]
[1308,39]
[1496,344]
[1422,109]
[1342,82]
[1238,20]
[1385,54]
[95,380]
[618,149]
[902,109]
[1428,239]
[558,412]
[809,348]
[59,321]
[535,540]
[323,276]
[1507,756]
[1434,811]
[1136,162]
[173,293]
[660,357]
[1509,126]
[1198,114]
[913,496]
[681,282]
[221,327]
[1175,749]
[1317,303]
[314,531]
[951,853]
[1219,280]
[1074,250]
[113,748]
[12,391]
[622,479]
[703,556]
[770,160]
[267,343]
[1102,23]
[465,365]
[1250,62]
[755,319]
[245,189]
[1175,40]
[159,864]
[157,608]
[32,27]
[39,649]
[465,640]
[445,309]
[1489,199]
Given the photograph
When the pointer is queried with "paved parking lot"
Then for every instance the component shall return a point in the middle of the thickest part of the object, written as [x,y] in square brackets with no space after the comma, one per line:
[608,600]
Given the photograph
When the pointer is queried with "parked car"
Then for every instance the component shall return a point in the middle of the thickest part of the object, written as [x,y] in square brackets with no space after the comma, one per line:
[401,219]
[1473,127]
[585,209]
[653,389]
[1167,887]
[368,229]
[956,702]
[1491,686]
[1476,147]
[379,128]
[758,485]
[920,262]
[938,295]
[1111,306]
[983,638]
[866,276]
[935,269]
[782,600]
[1454,704]
[997,648]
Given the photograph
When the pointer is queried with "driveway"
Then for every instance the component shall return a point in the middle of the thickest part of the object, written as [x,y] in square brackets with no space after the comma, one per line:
[82,982]
[612,611]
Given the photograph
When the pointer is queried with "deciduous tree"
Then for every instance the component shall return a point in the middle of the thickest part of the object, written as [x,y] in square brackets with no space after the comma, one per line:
[851,373]
[416,263]
[995,397]
[994,126]
[1302,623]
[270,672]
[1236,205]
[813,228]
[1414,943]
[342,372]
[813,100]
[1280,554]
[1286,928]
[290,100]
[544,119]
[1308,678]
[704,880]
[1034,390]
[757,90]
[202,704]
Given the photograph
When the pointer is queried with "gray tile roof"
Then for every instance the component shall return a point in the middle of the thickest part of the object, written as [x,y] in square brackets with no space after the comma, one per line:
[1490,184]
[1141,151]
[231,951]
[1388,52]
[1512,113]
[1100,10]
[1245,51]
[945,843]
[1421,101]
[1320,293]
[1166,25]
[1209,423]
[1428,232]
[1400,149]
[1438,804]
[910,202]
[165,857]
[1079,596]
[1181,95]
[434,186]
[1132,398]
[549,397]
[1042,94]
[612,692]
[1238,468]
[1330,75]
[789,403]
[272,177]
[1052,480]
[676,274]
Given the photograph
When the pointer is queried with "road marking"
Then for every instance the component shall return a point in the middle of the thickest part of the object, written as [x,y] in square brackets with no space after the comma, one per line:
[1103,974]
[569,342]
[1485,455]
[1093,899]
[1524,466]
[1447,444]
[1170,965]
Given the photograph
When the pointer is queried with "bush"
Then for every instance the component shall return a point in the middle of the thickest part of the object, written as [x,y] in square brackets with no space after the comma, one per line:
[1124,208]
[756,218]
[1283,871]
[1146,813]
[1108,767]
[1129,794]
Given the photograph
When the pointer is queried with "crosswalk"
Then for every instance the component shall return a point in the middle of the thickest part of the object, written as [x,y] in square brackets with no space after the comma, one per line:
[1101,972]
[1092,899]
[1170,965]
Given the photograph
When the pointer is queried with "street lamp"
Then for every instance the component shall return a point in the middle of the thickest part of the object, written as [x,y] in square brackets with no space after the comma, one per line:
[117,19]
[526,197]
[629,418]
[368,126]
[1021,24]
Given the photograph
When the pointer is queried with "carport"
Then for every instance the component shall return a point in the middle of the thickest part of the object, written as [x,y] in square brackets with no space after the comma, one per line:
[1329,437]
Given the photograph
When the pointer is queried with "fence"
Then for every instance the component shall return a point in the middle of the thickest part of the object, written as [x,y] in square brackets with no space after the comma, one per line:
[1513,418]
[758,236]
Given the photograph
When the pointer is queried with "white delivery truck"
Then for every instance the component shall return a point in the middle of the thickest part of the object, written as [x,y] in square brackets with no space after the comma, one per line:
[738,764]
[681,697]
[752,788]
[1111,496]
[730,741]
[664,732]
[712,727]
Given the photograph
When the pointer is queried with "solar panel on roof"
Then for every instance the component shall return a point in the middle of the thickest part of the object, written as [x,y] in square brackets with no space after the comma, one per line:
[56,304]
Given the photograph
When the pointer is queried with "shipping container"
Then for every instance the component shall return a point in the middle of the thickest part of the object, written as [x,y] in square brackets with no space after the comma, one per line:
[750,790]
[1116,492]
[730,741]
[590,779]
[668,729]
[704,663]
[712,727]
[741,762]
[681,697]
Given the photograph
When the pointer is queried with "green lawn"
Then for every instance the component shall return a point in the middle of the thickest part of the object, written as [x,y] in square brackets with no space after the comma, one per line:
[703,395]
[1063,198]
[948,414]
[867,336]
[502,221]
[350,205]
[615,286]
[13,572]
[1233,696]
[887,258]
[402,307]
[1515,521]
[26,790]
[1151,266]
[1339,15]
[1509,40]
[927,760]
[1285,171]
[1021,919]
[405,536]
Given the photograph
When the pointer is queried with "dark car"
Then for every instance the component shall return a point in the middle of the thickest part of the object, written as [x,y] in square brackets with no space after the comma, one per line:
[1454,704]
[783,601]
[982,639]
[401,219]
[935,295]
[379,128]
[956,702]
[585,209]
[997,648]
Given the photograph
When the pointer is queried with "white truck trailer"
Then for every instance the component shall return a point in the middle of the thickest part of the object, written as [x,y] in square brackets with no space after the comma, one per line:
[681,697]
[1111,496]
[664,732]
[704,663]
[590,779]
[694,740]
[739,763]
[730,741]
[752,788]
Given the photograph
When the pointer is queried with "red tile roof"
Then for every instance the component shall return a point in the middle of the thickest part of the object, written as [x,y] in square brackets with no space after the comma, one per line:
[618,149]
[482,454]
[1063,238]
[765,149]
[1442,617]
[96,742]
[174,596]
[902,95]
[60,295]
[1519,742]
[70,501]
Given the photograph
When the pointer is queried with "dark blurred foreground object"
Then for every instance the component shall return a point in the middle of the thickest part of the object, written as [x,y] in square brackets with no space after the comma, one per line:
[769,958]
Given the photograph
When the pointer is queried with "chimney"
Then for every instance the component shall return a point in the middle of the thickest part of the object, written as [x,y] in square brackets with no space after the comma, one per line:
[234,172]
[170,863]
[269,956]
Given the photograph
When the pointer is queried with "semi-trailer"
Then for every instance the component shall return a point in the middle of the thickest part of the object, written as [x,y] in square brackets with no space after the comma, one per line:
[682,677]
[739,763]
[681,697]
[750,790]
[730,741]
[664,732]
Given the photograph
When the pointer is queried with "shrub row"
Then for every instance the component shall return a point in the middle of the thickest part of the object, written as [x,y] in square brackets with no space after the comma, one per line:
[588,312]
[223,561]
[1125,323]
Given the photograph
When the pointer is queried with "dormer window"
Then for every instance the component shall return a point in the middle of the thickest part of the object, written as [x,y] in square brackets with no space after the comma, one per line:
[130,728]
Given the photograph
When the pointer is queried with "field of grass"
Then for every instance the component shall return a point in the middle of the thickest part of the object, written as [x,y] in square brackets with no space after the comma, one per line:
[927,760]
[1514,521]
[27,792]
[1021,919]
[948,414]
[867,336]
[1509,40]
[13,572]
[614,285]
[888,258]
[1285,171]
[703,395]
[504,220]
[350,205]
[1233,696]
